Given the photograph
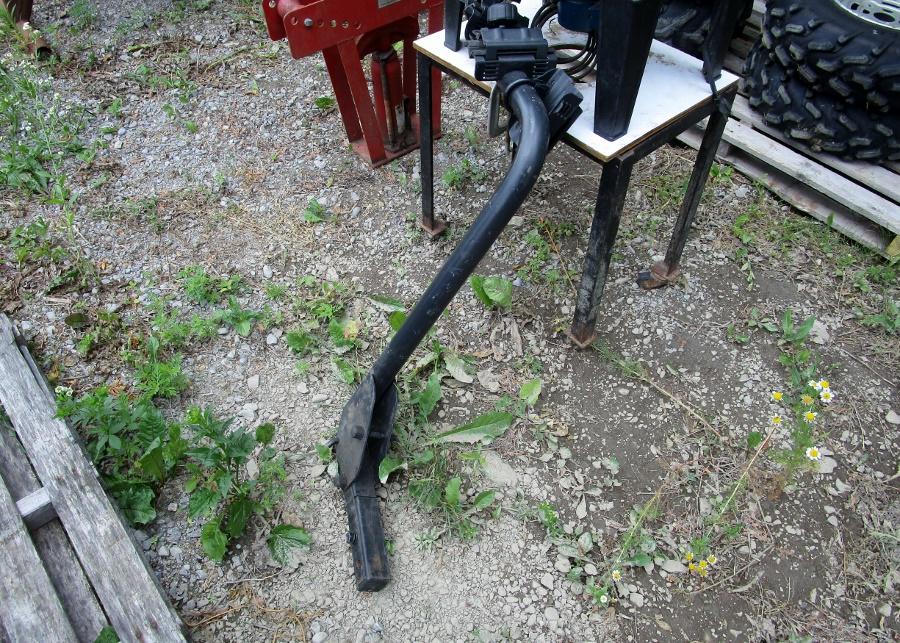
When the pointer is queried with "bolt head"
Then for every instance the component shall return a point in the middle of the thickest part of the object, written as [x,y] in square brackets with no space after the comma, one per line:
[273,4]
[308,22]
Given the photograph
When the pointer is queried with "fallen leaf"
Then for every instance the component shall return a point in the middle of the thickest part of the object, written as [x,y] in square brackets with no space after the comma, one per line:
[457,368]
[485,428]
[581,508]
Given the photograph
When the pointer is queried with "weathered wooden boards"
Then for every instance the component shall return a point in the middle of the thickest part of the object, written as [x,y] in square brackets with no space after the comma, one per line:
[72,587]
[22,581]
[860,200]
[126,590]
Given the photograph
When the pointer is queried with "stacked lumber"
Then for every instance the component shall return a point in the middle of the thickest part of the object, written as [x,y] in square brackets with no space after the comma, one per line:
[68,565]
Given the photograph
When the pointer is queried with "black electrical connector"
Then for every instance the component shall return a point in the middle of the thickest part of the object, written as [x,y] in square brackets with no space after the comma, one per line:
[501,50]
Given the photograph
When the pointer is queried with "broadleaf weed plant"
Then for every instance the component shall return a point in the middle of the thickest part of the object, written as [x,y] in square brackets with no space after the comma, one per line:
[221,490]
[39,131]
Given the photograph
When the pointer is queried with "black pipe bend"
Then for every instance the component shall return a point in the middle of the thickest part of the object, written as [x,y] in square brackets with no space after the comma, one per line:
[526,105]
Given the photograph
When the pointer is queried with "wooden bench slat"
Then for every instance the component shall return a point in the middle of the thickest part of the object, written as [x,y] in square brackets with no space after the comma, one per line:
[126,587]
[31,609]
[36,509]
[52,544]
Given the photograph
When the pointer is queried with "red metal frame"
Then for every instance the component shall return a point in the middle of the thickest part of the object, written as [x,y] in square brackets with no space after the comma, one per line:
[346,31]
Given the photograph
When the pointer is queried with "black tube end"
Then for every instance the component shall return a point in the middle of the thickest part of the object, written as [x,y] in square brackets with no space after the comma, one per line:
[366,537]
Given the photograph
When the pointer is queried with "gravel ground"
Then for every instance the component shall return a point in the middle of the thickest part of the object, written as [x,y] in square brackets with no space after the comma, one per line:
[213,156]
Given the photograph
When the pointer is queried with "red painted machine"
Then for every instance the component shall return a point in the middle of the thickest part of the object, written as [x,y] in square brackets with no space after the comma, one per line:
[381,125]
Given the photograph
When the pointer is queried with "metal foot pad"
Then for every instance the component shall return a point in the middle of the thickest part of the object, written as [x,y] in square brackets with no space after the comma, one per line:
[435,228]
[580,339]
[658,276]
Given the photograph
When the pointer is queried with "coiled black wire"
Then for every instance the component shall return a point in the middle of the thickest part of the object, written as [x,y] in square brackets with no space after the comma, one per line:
[584,60]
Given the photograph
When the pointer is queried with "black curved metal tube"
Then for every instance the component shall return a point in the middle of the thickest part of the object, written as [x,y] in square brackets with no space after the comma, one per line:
[529,109]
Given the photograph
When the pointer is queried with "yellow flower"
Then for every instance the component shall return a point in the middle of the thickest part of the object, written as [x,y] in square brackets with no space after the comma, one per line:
[703,572]
[823,384]
[813,453]
[702,564]
[776,420]
[809,416]
[692,567]
[689,556]
[807,400]
[616,575]
[826,396]
[777,395]
[711,559]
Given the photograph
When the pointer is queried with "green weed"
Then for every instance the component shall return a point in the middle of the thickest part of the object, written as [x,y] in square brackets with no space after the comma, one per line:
[887,320]
[276,292]
[38,132]
[315,212]
[203,289]
[224,494]
[493,292]
[325,103]
[134,448]
[241,319]
[471,135]
[83,14]
[462,174]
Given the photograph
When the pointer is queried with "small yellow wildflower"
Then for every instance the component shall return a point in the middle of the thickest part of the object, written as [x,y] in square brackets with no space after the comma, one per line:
[826,396]
[616,575]
[777,395]
[692,567]
[809,416]
[604,599]
[823,384]
[703,572]
[807,400]
[814,384]
[689,556]
[776,420]
[813,453]
[711,559]
[702,565]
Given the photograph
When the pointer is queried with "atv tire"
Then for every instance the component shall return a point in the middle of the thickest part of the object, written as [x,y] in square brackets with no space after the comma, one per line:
[684,24]
[822,122]
[836,51]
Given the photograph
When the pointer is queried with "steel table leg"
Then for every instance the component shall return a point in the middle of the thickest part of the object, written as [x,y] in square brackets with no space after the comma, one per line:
[607,213]
[426,147]
[667,271]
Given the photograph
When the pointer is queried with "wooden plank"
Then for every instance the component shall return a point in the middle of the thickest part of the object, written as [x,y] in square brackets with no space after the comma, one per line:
[126,587]
[52,545]
[36,509]
[893,249]
[31,609]
[800,196]
[875,177]
[831,184]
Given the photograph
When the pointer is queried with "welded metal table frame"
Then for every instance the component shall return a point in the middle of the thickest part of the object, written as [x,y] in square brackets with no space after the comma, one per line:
[614,183]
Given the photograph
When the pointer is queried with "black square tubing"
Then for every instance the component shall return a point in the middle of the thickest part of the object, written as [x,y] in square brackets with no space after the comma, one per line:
[608,212]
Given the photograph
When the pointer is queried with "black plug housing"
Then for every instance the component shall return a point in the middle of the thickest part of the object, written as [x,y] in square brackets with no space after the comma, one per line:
[503,49]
